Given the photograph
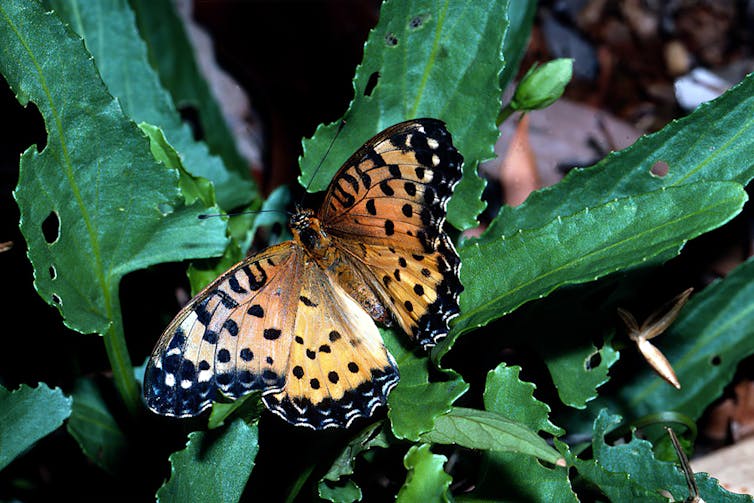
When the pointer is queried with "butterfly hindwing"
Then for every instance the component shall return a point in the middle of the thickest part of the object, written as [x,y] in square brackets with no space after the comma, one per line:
[233,338]
[387,207]
[339,368]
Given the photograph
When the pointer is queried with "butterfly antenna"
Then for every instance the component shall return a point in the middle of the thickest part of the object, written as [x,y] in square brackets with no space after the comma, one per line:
[327,152]
[204,216]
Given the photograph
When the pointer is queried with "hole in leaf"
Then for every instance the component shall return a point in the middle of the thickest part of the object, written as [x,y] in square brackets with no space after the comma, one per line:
[53,272]
[190,115]
[716,360]
[371,83]
[51,227]
[593,361]
[417,21]
[391,40]
[659,169]
[56,299]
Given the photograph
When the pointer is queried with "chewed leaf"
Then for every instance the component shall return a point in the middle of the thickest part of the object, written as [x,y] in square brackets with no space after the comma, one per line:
[438,83]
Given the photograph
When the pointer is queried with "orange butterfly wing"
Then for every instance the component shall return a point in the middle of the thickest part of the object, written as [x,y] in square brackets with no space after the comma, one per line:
[294,320]
[339,368]
[233,337]
[386,208]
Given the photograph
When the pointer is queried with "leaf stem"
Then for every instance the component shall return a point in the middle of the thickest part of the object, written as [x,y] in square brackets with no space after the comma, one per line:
[120,362]
[504,114]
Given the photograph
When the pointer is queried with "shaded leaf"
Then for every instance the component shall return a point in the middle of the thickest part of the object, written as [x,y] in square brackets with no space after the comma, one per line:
[579,371]
[121,58]
[335,485]
[214,466]
[416,402]
[94,428]
[248,408]
[28,414]
[629,471]
[510,475]
[713,333]
[172,55]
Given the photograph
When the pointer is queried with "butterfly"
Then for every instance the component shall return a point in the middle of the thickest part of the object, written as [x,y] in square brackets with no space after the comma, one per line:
[297,320]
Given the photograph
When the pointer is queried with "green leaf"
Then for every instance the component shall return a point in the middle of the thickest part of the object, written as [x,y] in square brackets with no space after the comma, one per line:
[416,402]
[28,414]
[426,480]
[510,475]
[711,144]
[430,58]
[489,431]
[527,244]
[341,492]
[507,395]
[172,55]
[713,333]
[214,466]
[575,376]
[335,485]
[521,18]
[629,471]
[192,187]
[121,58]
[116,208]
[94,428]
[248,407]
[501,274]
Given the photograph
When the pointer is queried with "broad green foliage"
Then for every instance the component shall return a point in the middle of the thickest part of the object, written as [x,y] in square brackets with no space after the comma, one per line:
[430,58]
[575,378]
[116,208]
[123,181]
[28,414]
[214,466]
[121,58]
[500,274]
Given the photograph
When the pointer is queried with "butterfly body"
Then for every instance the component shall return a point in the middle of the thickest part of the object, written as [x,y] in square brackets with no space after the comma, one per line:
[296,320]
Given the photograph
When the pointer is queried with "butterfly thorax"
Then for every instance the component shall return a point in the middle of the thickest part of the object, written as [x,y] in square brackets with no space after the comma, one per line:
[307,232]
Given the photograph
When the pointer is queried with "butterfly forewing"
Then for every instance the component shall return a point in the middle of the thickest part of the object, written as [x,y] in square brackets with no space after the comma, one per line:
[386,206]
[233,337]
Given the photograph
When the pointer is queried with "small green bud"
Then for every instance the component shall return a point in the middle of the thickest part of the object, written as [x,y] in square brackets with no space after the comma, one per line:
[542,85]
